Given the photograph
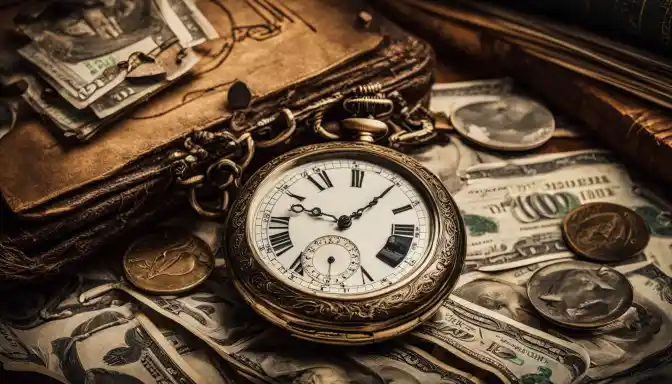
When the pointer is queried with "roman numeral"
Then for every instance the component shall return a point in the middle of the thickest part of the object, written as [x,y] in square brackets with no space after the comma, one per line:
[299,198]
[399,210]
[281,242]
[357,178]
[279,223]
[403,230]
[297,266]
[365,276]
[325,179]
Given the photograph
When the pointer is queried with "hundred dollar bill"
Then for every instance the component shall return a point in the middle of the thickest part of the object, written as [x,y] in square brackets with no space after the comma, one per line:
[52,332]
[514,352]
[81,52]
[635,345]
[308,362]
[513,211]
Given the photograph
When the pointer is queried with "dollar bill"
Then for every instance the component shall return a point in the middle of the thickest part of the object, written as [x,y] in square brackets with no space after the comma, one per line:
[513,211]
[50,331]
[635,345]
[448,160]
[214,313]
[514,352]
[306,362]
[176,62]
[448,97]
[81,53]
[201,358]
[82,124]
[186,20]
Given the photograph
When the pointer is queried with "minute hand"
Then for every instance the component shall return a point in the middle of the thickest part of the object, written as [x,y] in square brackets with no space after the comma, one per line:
[358,213]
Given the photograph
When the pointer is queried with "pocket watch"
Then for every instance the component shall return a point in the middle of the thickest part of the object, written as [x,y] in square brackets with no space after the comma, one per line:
[344,242]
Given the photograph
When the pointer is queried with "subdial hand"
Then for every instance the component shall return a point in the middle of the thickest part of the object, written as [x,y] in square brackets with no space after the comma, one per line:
[330,260]
[314,212]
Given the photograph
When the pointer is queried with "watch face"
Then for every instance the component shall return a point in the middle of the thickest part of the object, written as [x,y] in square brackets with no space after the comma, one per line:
[340,226]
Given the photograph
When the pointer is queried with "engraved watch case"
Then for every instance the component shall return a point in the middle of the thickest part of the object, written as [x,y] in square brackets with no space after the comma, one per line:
[360,318]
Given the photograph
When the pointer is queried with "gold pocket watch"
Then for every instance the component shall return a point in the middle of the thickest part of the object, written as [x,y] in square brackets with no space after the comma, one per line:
[345,242]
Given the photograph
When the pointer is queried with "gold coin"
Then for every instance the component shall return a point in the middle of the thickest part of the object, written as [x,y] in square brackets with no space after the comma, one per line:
[168,261]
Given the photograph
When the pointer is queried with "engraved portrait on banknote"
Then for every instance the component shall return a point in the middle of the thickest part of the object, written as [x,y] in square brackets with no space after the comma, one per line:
[88,32]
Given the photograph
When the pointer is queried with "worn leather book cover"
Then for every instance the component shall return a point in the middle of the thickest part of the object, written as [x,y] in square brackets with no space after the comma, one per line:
[61,205]
[638,131]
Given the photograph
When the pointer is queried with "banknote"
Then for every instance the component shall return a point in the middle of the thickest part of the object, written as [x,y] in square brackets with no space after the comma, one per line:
[201,358]
[635,345]
[514,352]
[214,312]
[81,124]
[449,159]
[312,363]
[187,22]
[513,211]
[175,60]
[82,53]
[50,331]
[448,97]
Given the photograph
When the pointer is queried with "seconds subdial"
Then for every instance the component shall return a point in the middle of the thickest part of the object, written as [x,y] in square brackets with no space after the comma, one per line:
[330,259]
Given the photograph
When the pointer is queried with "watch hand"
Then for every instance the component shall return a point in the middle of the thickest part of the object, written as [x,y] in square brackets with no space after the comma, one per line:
[315,212]
[358,213]
[330,260]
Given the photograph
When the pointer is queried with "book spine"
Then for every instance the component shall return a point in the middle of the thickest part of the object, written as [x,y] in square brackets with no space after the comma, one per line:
[641,134]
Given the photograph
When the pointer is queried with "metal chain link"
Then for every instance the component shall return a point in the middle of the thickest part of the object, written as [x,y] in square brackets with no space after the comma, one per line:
[229,155]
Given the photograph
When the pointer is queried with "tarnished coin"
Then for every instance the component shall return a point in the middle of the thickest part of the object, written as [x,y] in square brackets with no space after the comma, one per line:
[167,261]
[605,232]
[511,123]
[578,294]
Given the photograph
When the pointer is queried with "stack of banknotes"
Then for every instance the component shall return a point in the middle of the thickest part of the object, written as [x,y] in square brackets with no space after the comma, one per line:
[91,62]
[95,327]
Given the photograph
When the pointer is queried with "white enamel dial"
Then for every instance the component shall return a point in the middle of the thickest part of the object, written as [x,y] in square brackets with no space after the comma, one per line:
[340,226]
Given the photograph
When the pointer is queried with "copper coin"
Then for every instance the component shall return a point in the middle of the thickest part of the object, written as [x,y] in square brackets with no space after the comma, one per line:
[580,295]
[168,261]
[605,232]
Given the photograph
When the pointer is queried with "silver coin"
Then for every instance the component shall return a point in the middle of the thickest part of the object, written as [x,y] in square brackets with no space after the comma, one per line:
[511,123]
[580,295]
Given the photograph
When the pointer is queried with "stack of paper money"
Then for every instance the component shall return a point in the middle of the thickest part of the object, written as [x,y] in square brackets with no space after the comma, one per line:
[93,62]
[95,327]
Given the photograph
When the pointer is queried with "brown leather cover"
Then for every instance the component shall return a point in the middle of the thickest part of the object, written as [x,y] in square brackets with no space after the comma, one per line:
[268,51]
[638,131]
[68,205]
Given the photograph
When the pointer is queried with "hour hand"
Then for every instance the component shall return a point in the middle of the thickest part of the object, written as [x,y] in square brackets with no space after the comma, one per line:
[315,212]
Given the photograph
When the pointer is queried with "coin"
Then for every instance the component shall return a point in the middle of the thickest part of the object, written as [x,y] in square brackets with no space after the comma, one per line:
[168,261]
[605,232]
[578,294]
[511,123]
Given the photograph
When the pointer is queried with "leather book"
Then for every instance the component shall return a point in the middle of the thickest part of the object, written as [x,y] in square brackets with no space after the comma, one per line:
[639,132]
[66,204]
